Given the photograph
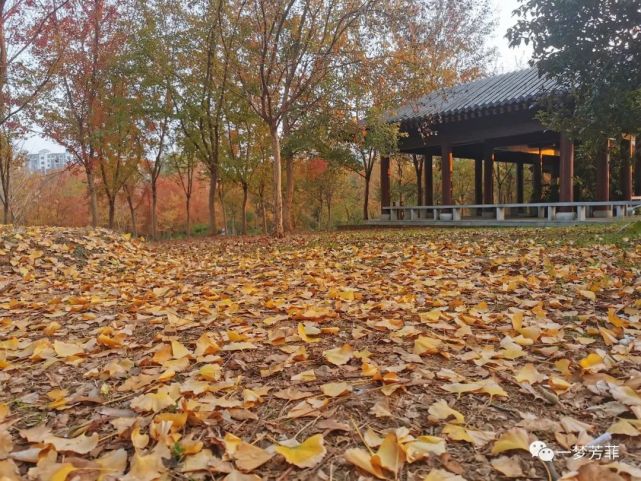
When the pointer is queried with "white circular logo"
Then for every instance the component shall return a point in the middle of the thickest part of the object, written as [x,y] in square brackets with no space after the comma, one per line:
[538,449]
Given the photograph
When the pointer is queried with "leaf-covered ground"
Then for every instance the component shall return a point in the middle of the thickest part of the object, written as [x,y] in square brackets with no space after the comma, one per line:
[415,355]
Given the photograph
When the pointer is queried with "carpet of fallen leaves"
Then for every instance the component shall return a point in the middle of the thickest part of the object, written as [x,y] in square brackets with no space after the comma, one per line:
[433,355]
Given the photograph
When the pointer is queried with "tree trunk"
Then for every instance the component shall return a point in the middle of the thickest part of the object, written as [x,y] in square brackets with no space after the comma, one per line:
[222,206]
[279,231]
[5,215]
[132,215]
[418,169]
[368,177]
[244,214]
[263,215]
[154,209]
[213,181]
[188,211]
[329,212]
[288,214]
[93,198]
[112,211]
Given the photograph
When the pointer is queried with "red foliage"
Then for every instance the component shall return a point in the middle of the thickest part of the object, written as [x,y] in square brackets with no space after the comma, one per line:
[316,167]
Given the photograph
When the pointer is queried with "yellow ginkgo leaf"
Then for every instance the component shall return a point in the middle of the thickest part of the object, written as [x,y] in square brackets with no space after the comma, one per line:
[563,366]
[145,467]
[139,441]
[210,372]
[4,411]
[231,443]
[236,475]
[431,316]
[591,361]
[206,345]
[340,355]
[491,387]
[112,464]
[588,294]
[442,475]
[427,345]
[457,433]
[306,333]
[51,328]
[440,411]
[249,457]
[423,447]
[362,459]
[66,349]
[529,374]
[389,456]
[512,439]
[625,394]
[616,320]
[305,376]
[624,427]
[558,384]
[305,455]
[152,402]
[61,472]
[239,346]
[178,350]
[335,389]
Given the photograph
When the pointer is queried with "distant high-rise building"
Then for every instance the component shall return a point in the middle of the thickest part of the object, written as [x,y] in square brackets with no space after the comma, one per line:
[45,161]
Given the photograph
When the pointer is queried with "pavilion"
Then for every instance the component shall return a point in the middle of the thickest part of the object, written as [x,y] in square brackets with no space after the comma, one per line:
[494,120]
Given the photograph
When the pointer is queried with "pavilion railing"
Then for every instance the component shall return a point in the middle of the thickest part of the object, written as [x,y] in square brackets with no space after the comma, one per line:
[551,211]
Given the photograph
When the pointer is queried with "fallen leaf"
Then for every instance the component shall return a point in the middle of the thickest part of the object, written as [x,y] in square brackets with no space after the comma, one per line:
[305,455]
[362,459]
[508,466]
[512,439]
[340,355]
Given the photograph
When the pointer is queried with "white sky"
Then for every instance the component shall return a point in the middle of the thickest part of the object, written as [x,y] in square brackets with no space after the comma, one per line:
[507,60]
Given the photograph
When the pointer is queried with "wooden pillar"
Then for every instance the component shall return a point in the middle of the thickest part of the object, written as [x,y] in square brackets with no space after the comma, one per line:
[519,182]
[447,165]
[429,179]
[602,188]
[627,154]
[488,175]
[385,183]
[537,177]
[478,183]
[566,169]
[637,171]
[603,172]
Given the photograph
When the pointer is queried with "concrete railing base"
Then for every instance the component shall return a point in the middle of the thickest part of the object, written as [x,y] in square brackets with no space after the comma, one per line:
[565,216]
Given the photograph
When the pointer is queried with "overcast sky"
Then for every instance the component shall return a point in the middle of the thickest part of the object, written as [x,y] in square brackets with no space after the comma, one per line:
[507,60]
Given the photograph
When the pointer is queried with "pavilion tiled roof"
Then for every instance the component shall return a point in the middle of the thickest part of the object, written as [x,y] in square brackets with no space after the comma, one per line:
[478,97]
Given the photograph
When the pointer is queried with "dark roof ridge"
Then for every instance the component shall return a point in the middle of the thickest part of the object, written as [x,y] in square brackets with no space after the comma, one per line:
[487,92]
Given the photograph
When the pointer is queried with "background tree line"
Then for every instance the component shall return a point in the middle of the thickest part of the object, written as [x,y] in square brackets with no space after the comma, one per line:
[273,106]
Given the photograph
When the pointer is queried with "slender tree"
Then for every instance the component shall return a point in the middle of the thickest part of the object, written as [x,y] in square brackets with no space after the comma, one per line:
[185,164]
[118,144]
[203,75]
[24,75]
[157,25]
[88,34]
[290,47]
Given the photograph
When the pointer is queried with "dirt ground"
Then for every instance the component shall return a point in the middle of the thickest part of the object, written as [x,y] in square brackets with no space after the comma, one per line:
[420,355]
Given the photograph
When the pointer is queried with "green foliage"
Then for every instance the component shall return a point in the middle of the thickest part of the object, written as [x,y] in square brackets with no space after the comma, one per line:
[592,49]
